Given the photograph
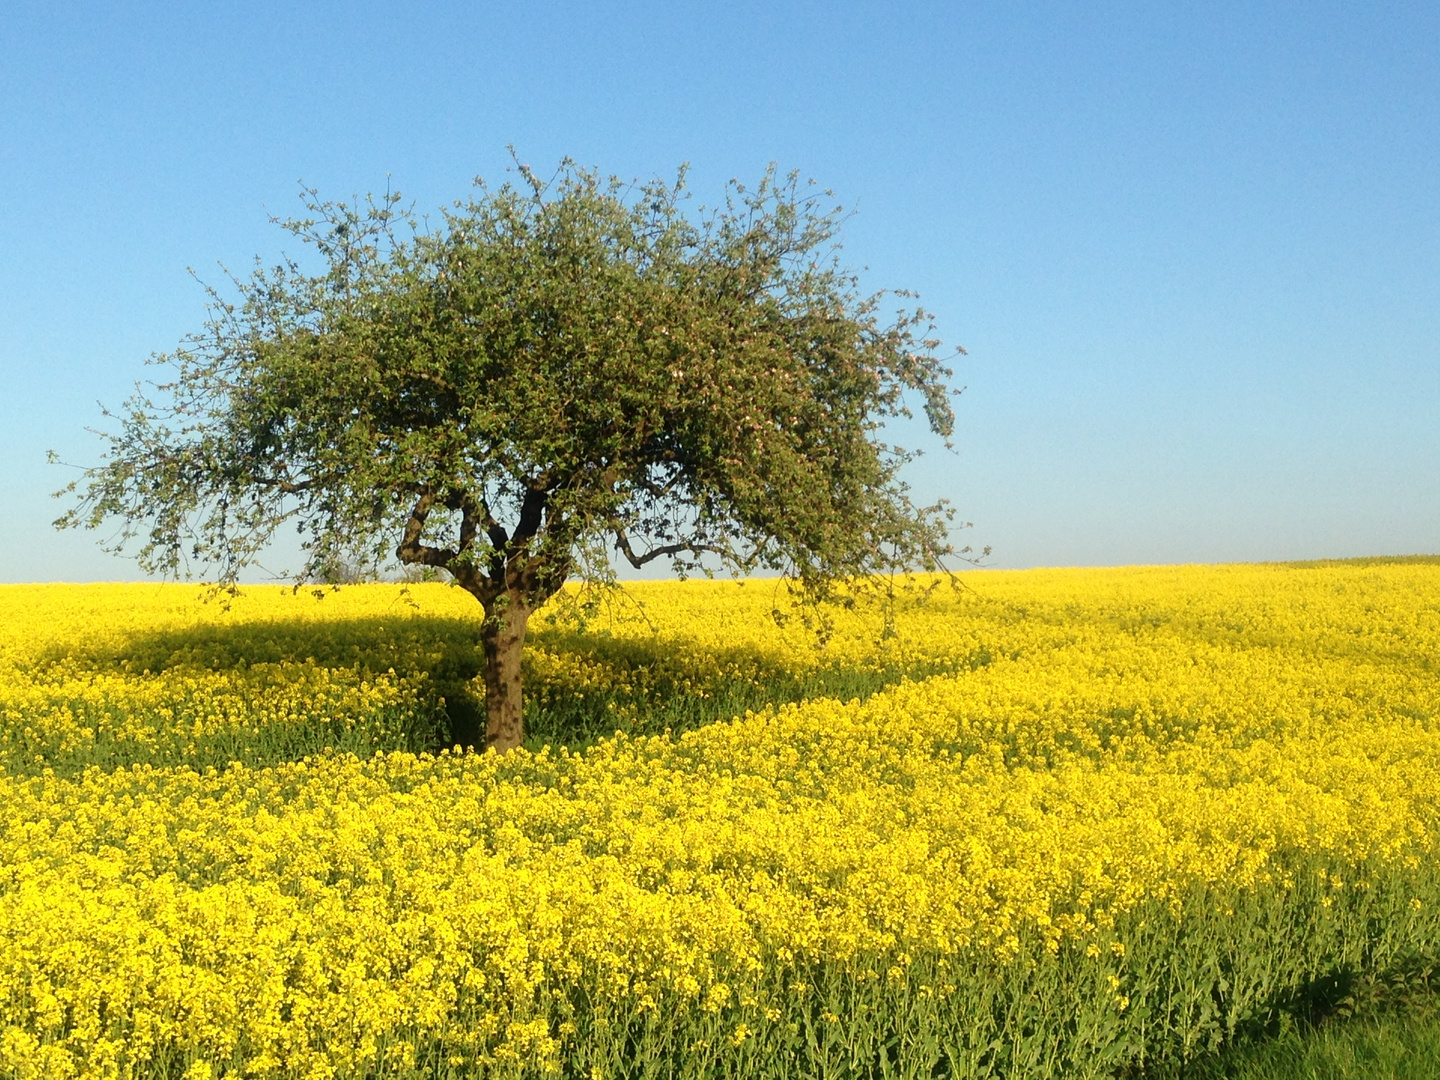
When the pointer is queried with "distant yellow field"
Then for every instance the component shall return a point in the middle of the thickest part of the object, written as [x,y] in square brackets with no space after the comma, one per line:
[224,849]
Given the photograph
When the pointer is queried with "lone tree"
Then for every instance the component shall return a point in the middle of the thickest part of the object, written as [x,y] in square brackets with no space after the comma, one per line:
[553,374]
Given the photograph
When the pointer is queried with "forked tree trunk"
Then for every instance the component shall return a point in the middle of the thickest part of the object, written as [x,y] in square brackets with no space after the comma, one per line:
[502,638]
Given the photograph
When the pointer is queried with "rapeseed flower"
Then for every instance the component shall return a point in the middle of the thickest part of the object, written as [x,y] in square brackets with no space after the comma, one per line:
[1115,781]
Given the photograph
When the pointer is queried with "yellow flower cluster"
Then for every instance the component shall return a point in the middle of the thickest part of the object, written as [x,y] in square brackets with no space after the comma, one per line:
[1073,756]
[118,675]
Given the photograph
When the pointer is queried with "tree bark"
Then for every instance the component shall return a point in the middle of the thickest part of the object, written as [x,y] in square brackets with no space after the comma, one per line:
[503,639]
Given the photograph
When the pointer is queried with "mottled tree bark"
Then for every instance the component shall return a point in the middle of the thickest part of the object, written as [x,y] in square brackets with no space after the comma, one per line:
[502,639]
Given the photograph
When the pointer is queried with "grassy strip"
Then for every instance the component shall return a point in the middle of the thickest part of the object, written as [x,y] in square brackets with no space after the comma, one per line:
[1393,1046]
[1364,1028]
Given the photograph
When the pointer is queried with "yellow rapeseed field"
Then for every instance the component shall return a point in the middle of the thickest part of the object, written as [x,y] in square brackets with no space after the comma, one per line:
[1048,823]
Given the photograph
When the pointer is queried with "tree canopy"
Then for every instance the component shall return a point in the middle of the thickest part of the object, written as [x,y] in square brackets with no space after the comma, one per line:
[547,378]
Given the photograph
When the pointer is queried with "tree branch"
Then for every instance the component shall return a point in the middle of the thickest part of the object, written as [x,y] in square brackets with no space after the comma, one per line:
[288,487]
[532,511]
[411,550]
[494,530]
[622,544]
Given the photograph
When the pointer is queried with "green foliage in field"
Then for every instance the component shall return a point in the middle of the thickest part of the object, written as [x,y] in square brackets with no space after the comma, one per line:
[1395,1043]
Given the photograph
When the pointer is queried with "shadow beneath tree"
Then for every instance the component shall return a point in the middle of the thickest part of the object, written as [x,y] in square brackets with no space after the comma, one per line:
[579,686]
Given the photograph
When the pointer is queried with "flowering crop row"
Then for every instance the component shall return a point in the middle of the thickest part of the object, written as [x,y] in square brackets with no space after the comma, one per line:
[1078,820]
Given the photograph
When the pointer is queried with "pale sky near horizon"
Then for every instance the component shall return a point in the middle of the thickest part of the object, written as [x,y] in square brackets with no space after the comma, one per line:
[1193,250]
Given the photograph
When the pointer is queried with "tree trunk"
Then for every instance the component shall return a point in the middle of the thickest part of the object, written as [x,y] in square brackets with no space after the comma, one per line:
[503,638]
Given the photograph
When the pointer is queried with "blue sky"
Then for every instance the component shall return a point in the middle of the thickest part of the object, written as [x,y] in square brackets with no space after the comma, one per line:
[1193,249]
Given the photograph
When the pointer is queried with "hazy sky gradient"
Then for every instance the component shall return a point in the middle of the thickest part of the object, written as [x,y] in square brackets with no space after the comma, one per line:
[1193,250]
